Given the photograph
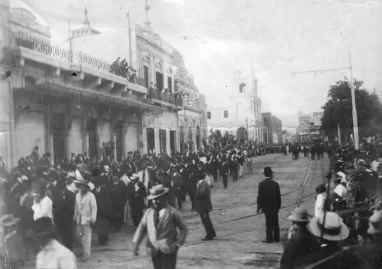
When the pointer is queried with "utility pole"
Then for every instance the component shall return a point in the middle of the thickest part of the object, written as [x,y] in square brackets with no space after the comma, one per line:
[355,117]
[129,28]
[354,111]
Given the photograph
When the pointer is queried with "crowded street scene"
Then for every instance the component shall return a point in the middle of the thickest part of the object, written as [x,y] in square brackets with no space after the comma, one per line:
[190,134]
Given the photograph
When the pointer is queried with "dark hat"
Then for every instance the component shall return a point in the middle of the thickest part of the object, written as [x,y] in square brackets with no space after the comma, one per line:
[268,171]
[43,227]
[321,188]
[96,172]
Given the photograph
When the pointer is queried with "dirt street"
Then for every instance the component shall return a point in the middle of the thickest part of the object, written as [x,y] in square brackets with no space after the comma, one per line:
[239,229]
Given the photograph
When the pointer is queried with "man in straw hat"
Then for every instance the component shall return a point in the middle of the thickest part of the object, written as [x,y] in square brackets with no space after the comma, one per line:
[85,215]
[161,223]
[331,232]
[52,254]
[301,242]
[269,203]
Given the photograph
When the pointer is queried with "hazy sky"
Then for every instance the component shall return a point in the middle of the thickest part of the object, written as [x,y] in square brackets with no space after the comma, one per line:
[276,38]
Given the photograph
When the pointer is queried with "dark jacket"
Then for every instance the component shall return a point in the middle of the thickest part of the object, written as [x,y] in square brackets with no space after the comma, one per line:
[136,197]
[66,209]
[103,200]
[224,169]
[202,201]
[297,248]
[269,197]
[345,260]
[118,193]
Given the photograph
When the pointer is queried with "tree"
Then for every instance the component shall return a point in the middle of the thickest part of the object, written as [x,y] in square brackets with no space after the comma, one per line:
[338,110]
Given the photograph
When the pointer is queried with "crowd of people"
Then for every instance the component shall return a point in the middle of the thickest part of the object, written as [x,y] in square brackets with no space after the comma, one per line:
[83,193]
[345,230]
[121,68]
[59,205]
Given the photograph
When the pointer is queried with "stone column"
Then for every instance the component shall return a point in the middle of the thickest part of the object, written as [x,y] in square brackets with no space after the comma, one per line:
[49,130]
[152,69]
[85,134]
[124,132]
[113,136]
[7,127]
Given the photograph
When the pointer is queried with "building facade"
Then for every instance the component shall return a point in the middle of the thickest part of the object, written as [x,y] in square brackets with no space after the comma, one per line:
[66,101]
[242,117]
[272,128]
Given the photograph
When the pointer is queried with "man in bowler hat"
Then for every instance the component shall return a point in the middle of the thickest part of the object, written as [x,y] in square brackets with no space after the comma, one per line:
[269,203]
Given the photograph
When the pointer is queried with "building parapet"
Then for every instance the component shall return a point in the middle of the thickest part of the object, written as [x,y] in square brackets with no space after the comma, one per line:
[28,47]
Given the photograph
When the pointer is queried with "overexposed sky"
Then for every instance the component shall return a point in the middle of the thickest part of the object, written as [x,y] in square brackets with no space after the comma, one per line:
[275,37]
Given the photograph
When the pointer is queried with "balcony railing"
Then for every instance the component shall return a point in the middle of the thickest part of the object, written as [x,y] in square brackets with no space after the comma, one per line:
[174,99]
[15,39]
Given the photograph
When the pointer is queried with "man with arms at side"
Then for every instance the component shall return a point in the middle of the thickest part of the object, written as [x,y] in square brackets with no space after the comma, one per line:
[269,203]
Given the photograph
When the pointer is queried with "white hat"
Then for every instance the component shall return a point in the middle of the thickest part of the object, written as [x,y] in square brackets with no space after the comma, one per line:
[375,223]
[334,228]
[134,176]
[157,191]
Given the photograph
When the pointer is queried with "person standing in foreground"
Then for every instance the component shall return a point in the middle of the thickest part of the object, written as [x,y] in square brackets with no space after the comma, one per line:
[52,253]
[203,206]
[269,203]
[85,215]
[161,223]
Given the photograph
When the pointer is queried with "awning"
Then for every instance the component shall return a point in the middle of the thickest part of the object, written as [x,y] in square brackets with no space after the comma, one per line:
[62,90]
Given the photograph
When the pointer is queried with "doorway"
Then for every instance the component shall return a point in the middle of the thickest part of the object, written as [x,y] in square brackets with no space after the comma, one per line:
[159,80]
[119,139]
[150,139]
[162,141]
[58,124]
[92,130]
[172,141]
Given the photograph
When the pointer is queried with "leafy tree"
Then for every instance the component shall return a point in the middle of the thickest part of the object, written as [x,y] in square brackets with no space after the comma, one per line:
[338,109]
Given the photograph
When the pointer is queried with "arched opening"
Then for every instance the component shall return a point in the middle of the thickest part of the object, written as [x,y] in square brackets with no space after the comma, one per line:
[242,135]
[242,88]
[197,137]
[29,81]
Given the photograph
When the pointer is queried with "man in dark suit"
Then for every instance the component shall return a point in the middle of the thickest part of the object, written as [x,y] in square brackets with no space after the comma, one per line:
[65,213]
[136,194]
[224,170]
[269,203]
[203,205]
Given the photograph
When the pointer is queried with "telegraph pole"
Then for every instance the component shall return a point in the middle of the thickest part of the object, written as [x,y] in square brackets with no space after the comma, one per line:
[354,108]
[355,117]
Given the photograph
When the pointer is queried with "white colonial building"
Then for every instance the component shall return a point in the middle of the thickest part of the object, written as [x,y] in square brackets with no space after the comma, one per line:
[242,117]
[65,99]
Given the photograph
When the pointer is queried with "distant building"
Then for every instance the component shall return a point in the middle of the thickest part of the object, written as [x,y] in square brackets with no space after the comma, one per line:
[272,128]
[242,117]
[309,125]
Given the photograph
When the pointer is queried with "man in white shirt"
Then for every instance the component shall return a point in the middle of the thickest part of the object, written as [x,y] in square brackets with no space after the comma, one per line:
[374,165]
[52,253]
[42,204]
[85,215]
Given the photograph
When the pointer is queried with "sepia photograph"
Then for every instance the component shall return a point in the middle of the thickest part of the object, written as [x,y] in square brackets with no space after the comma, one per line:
[191,134]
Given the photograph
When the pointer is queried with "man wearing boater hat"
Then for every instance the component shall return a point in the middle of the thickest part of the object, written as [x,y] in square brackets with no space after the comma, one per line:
[269,203]
[161,224]
[331,229]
